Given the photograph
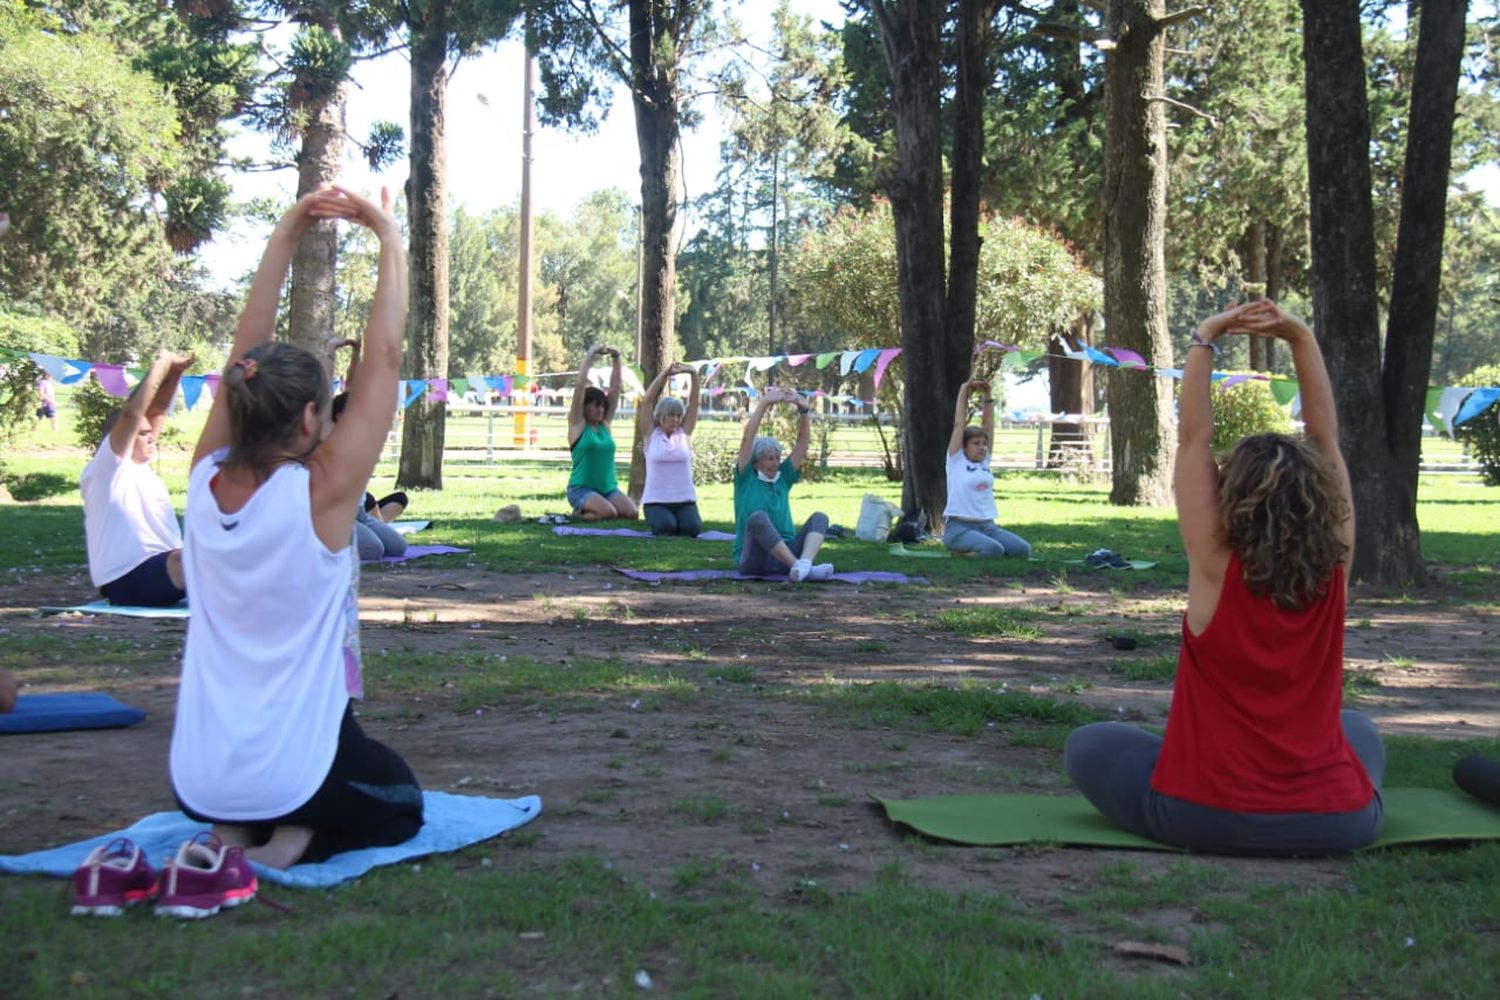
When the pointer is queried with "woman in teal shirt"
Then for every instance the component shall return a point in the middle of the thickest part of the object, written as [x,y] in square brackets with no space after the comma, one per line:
[764,541]
[593,492]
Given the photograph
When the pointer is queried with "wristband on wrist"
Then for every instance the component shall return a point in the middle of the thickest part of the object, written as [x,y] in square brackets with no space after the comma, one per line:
[1197,341]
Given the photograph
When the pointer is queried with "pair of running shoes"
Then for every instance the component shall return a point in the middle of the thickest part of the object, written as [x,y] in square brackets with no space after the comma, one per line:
[204,877]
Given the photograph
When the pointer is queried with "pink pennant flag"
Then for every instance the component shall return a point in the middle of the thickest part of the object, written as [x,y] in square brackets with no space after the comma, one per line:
[112,379]
[797,359]
[886,357]
[1127,358]
[437,390]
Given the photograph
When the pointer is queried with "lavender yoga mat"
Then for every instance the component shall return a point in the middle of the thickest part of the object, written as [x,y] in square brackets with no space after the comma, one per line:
[418,551]
[694,575]
[568,529]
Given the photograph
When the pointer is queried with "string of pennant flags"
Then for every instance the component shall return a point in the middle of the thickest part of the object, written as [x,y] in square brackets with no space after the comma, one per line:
[1446,407]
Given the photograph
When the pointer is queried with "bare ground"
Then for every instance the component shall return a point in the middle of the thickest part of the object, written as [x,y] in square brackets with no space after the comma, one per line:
[739,775]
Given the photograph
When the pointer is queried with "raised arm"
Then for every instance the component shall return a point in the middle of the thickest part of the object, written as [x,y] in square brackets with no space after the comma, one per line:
[1195,476]
[340,467]
[354,347]
[575,407]
[257,322]
[752,425]
[960,418]
[1320,419]
[804,430]
[652,394]
[690,419]
[150,399]
[612,398]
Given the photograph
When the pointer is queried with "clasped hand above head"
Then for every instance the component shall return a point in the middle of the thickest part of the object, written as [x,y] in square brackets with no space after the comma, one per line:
[1261,318]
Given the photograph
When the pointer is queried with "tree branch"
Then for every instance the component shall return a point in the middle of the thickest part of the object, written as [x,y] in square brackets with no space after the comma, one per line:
[1186,107]
[1177,17]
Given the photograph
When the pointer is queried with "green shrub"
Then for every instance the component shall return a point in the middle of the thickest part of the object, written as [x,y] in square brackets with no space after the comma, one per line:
[1245,409]
[1481,432]
[713,458]
[94,406]
[18,397]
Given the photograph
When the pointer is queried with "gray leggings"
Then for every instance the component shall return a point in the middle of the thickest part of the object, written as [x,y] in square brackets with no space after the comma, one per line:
[1111,764]
[761,537]
[673,518]
[375,539]
[984,538]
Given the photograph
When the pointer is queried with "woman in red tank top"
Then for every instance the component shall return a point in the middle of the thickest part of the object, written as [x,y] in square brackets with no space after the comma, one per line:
[1258,757]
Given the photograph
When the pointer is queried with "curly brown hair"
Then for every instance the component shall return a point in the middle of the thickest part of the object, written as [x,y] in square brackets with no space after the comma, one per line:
[1281,507]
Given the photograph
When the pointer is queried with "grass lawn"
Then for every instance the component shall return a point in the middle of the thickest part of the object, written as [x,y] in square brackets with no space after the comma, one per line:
[669,728]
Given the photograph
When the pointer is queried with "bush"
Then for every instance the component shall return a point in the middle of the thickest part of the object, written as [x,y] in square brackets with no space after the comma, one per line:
[1480,434]
[18,397]
[94,406]
[1245,409]
[713,458]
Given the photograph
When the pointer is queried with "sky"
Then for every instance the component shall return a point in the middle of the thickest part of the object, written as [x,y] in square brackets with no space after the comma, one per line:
[484,119]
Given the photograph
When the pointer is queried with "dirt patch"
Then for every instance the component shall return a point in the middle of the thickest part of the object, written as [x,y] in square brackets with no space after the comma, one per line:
[735,775]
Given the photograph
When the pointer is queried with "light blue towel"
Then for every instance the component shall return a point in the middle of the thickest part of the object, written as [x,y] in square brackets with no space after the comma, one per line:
[450,822]
[103,607]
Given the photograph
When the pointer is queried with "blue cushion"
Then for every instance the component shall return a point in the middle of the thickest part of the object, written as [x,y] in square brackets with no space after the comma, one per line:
[45,713]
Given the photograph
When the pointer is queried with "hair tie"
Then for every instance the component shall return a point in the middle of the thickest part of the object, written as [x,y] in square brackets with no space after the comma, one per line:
[250,365]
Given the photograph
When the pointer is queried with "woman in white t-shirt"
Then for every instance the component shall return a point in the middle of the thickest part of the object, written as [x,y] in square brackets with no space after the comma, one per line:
[970,513]
[265,745]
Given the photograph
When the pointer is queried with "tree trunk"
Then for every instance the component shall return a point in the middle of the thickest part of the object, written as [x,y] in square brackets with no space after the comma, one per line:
[964,243]
[1411,326]
[910,36]
[1070,389]
[1275,247]
[1341,222]
[1135,289]
[1255,280]
[655,97]
[427,321]
[311,304]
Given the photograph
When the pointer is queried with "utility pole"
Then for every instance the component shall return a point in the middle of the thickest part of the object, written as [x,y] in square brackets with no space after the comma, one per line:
[521,395]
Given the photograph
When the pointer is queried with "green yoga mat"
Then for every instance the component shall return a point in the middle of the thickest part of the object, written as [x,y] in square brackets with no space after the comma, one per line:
[1412,815]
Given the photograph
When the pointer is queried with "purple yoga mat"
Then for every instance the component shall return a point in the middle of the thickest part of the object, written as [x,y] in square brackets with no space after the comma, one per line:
[418,551]
[693,575]
[568,529]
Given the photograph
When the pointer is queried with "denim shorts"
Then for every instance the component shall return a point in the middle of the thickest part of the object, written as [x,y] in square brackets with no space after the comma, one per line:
[579,495]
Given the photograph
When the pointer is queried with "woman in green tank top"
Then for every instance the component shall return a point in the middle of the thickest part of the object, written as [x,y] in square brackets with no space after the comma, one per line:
[593,492]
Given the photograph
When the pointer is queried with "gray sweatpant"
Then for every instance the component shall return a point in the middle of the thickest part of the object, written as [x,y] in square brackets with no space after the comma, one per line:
[761,537]
[375,539]
[1111,764]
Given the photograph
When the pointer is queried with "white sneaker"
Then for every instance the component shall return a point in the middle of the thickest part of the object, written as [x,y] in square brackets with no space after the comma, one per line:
[821,572]
[800,570]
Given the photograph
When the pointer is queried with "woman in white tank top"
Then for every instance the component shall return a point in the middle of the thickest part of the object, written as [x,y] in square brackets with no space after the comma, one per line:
[265,745]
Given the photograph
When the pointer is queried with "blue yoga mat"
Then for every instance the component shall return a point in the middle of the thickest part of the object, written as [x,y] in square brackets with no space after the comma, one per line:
[50,713]
[451,822]
[103,607]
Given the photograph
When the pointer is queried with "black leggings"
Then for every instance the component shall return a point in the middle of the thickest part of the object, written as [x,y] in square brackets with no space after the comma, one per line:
[369,799]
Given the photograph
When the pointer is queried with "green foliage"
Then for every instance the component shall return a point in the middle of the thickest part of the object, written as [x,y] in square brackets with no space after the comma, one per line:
[1481,433]
[18,397]
[1244,409]
[713,458]
[1030,284]
[94,406]
[25,330]
[84,142]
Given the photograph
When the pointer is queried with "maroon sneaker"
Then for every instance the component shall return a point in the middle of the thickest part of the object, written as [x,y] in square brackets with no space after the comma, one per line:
[204,877]
[111,879]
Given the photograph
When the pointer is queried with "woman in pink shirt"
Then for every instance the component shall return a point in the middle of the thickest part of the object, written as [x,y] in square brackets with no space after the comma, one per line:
[670,501]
